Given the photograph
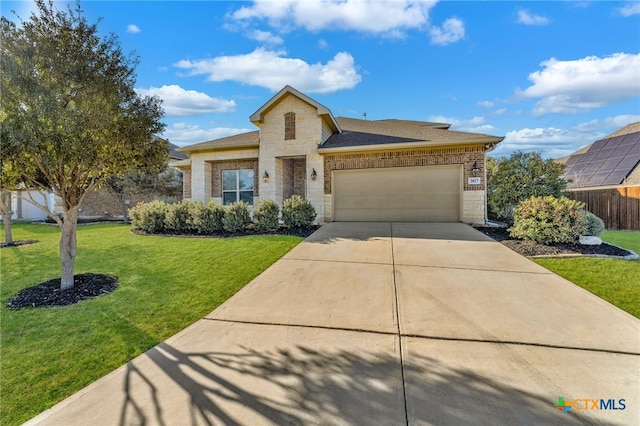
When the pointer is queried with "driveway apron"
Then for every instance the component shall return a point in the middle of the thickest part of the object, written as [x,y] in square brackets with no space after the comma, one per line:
[384,323]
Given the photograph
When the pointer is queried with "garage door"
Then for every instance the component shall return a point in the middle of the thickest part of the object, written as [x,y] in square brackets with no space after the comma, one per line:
[410,194]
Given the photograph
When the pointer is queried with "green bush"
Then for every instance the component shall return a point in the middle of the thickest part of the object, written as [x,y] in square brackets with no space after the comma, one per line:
[149,217]
[236,217]
[298,212]
[519,177]
[211,218]
[178,217]
[548,220]
[593,225]
[266,215]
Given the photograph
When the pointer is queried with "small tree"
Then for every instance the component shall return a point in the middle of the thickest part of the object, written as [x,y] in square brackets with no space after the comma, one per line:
[69,111]
[519,177]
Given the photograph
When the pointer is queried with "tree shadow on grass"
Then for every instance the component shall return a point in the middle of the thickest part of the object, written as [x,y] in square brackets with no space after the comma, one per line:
[302,385]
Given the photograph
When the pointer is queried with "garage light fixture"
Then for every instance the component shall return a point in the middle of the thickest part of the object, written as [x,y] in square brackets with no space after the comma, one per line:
[475,169]
[265,177]
[314,175]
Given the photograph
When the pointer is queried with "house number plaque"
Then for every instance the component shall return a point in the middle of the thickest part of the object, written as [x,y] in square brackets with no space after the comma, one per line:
[475,181]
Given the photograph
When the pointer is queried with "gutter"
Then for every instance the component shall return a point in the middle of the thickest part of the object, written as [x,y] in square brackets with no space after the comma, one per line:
[404,145]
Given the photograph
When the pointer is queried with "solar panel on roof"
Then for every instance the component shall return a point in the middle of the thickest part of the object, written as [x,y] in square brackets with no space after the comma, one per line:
[606,162]
[597,179]
[615,177]
[629,139]
[635,149]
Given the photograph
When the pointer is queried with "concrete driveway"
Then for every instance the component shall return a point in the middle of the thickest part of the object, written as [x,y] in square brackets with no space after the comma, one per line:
[385,323]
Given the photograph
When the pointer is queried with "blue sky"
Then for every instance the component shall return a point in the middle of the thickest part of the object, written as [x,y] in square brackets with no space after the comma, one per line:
[549,76]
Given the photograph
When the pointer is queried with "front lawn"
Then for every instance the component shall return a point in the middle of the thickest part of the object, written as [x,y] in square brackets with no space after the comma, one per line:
[166,284]
[616,281]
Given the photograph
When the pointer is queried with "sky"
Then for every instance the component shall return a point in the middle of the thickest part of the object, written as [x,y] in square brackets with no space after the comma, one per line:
[547,76]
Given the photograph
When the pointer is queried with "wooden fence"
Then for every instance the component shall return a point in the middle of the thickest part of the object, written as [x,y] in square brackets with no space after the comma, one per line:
[619,207]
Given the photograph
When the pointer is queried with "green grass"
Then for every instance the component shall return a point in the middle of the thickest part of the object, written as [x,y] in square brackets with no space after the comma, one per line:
[166,284]
[614,280]
[627,239]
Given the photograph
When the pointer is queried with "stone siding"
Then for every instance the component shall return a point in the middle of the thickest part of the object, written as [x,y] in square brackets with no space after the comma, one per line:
[201,173]
[274,150]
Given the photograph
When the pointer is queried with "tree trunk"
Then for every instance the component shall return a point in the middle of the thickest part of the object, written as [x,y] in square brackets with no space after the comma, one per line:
[5,199]
[68,246]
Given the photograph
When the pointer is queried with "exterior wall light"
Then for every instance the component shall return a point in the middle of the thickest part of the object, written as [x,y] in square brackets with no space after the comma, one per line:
[314,175]
[475,169]
[265,177]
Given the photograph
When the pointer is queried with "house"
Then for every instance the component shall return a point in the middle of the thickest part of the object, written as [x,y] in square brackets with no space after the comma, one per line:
[606,177]
[349,169]
[103,203]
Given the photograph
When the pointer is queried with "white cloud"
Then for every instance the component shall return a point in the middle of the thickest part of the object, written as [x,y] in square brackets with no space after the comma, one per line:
[570,86]
[554,142]
[486,104]
[474,125]
[380,17]
[180,102]
[527,18]
[183,134]
[629,9]
[452,30]
[133,29]
[500,111]
[272,70]
[322,44]
[266,37]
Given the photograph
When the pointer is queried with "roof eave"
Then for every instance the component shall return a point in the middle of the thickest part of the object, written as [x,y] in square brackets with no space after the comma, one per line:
[489,145]
[218,148]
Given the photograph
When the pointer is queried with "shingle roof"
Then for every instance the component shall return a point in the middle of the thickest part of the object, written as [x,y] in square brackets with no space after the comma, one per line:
[243,140]
[360,133]
[608,161]
[175,155]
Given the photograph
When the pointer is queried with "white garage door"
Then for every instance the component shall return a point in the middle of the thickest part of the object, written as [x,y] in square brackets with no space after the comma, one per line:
[409,194]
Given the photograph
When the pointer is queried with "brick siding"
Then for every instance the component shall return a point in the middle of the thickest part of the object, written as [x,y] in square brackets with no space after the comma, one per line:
[410,158]
[218,166]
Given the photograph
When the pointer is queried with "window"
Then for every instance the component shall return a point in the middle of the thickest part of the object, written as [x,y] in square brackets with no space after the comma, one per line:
[237,185]
[290,126]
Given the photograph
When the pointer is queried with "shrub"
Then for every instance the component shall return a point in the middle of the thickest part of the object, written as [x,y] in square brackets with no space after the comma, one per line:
[298,212]
[178,216]
[236,217]
[548,220]
[266,215]
[519,177]
[593,225]
[149,217]
[211,218]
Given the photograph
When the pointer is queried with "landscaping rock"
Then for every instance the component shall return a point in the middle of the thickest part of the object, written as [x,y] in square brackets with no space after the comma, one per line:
[589,240]
[531,248]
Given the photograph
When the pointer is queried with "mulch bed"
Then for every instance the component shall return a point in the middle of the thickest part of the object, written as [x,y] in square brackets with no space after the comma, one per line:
[48,293]
[283,230]
[18,243]
[530,248]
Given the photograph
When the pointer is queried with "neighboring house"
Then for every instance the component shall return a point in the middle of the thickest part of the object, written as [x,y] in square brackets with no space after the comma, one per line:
[349,169]
[23,209]
[606,177]
[102,203]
